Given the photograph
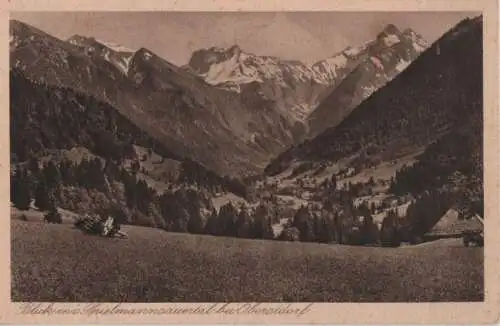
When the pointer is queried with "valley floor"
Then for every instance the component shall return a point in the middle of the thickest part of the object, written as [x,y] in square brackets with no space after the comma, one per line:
[58,263]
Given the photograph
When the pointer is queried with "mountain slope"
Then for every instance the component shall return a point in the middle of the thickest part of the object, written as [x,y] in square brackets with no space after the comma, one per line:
[115,54]
[230,110]
[188,116]
[453,164]
[45,118]
[380,61]
[436,93]
[296,88]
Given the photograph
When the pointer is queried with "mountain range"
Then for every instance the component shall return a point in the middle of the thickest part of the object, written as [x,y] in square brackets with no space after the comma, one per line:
[338,83]
[227,109]
[434,105]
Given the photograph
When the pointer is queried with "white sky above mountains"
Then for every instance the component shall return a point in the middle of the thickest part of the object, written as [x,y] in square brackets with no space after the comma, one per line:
[306,36]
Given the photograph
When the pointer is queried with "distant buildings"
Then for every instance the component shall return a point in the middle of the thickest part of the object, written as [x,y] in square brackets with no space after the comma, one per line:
[450,226]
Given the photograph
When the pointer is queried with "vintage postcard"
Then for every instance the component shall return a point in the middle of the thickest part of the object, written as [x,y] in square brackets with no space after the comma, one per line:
[225,162]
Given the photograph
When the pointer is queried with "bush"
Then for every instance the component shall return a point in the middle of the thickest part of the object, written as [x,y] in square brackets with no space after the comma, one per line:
[290,234]
[53,216]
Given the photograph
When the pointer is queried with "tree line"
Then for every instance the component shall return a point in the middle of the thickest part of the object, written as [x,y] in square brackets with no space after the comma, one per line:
[186,209]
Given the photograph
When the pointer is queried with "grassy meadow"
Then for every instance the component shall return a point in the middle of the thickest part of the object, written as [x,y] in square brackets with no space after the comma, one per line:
[59,263]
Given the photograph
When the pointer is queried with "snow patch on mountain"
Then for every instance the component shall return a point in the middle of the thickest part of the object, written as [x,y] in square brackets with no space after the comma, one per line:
[120,61]
[368,90]
[418,47]
[116,54]
[418,43]
[116,47]
[301,111]
[402,65]
[377,63]
[126,63]
[391,39]
[353,51]
[232,70]
[327,70]
[222,67]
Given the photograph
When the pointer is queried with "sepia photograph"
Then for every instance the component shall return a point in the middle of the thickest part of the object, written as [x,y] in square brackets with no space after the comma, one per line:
[213,156]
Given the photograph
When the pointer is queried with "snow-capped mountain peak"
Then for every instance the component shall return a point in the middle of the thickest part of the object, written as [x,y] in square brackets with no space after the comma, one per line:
[379,61]
[299,87]
[418,42]
[295,86]
[85,41]
[390,29]
[232,65]
[116,54]
[116,47]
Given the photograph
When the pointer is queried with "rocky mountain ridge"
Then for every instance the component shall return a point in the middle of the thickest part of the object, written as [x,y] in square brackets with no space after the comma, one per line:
[261,108]
[298,88]
[437,93]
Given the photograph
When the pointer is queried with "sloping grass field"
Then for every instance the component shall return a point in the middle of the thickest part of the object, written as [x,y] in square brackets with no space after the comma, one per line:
[58,263]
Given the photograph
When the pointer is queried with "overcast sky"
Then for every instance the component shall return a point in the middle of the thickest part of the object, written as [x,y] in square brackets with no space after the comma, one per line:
[303,36]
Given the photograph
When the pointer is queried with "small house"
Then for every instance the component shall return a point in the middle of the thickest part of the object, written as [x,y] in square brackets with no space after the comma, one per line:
[450,226]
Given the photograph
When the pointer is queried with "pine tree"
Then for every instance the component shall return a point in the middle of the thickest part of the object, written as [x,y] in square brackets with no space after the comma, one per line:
[304,222]
[181,221]
[130,183]
[325,229]
[20,190]
[143,196]
[368,232]
[307,234]
[81,171]
[34,166]
[318,228]
[42,198]
[300,221]
[95,175]
[363,209]
[226,225]
[267,229]
[52,175]
[389,235]
[243,225]
[333,183]
[211,226]
[196,223]
[68,172]
[339,227]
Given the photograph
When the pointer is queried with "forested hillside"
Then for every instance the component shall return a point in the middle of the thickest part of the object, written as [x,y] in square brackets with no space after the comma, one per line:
[47,121]
[434,107]
[436,93]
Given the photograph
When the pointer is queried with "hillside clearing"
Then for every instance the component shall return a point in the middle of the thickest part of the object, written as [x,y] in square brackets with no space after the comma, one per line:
[58,263]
